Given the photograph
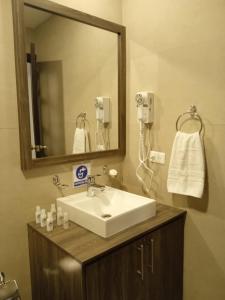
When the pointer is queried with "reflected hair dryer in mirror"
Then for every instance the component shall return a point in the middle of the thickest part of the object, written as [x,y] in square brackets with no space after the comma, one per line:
[102,134]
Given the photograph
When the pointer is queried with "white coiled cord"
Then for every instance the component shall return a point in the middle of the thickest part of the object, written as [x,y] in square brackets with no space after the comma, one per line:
[144,160]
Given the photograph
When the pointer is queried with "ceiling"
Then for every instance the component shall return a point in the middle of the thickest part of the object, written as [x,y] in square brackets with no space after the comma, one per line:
[34,17]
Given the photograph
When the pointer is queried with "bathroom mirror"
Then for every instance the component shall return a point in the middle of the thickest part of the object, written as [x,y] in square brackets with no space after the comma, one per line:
[70,70]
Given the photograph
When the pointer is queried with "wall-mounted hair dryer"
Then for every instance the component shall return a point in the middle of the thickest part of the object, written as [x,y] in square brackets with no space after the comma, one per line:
[102,105]
[145,115]
[145,105]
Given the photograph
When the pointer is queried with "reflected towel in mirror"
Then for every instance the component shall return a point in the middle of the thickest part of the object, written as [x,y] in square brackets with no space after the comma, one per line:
[81,142]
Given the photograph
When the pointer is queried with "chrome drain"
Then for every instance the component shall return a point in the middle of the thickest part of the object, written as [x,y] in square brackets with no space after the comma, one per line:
[106,216]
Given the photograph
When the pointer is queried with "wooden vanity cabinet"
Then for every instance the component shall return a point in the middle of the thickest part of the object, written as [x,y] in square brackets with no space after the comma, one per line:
[149,267]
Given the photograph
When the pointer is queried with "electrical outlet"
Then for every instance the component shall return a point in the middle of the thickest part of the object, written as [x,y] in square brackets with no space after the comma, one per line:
[157,157]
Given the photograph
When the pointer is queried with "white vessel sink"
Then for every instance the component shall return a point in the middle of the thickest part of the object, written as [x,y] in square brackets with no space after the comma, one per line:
[109,212]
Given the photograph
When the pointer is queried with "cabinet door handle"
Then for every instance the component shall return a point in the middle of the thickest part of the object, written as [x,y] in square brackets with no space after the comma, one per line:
[151,264]
[141,270]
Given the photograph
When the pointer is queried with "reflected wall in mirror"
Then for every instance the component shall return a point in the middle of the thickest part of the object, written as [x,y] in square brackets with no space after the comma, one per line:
[73,81]
[71,63]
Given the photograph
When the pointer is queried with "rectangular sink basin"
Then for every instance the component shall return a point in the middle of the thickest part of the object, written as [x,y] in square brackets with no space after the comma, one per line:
[109,212]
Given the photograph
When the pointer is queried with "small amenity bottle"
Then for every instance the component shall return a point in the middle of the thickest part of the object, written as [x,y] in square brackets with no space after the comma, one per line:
[38,215]
[65,220]
[53,211]
[59,216]
[49,222]
[43,218]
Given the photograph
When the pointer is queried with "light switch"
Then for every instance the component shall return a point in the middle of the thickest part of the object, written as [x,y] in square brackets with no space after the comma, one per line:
[157,157]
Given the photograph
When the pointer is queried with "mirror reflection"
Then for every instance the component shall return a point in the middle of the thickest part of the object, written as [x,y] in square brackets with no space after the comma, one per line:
[72,83]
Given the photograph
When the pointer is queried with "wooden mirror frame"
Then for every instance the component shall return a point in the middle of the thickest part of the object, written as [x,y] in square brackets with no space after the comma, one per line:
[22,88]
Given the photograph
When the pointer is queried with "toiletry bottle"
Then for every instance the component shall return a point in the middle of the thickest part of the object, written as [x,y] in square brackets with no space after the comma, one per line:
[65,220]
[43,218]
[53,211]
[38,215]
[49,222]
[59,216]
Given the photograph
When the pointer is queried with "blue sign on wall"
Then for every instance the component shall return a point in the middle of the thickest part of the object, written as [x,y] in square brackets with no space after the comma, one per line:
[80,174]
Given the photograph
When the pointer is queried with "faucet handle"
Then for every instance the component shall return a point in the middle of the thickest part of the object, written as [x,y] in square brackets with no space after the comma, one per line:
[91,178]
[56,181]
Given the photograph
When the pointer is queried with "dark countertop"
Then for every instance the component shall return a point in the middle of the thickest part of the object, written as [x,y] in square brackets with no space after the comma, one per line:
[84,246]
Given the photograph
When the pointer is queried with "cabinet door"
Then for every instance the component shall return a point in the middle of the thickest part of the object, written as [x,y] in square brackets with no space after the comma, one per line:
[118,275]
[164,257]
[150,268]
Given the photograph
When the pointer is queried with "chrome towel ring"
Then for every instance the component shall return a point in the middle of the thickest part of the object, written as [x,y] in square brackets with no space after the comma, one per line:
[81,120]
[193,115]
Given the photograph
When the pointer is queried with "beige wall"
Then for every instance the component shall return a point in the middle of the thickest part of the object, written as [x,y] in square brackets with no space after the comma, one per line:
[177,49]
[21,192]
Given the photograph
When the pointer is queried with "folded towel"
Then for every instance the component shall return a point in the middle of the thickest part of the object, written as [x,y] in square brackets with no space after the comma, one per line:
[186,172]
[81,141]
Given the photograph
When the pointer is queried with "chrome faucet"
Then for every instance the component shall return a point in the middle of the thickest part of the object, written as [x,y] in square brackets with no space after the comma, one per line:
[92,186]
[60,186]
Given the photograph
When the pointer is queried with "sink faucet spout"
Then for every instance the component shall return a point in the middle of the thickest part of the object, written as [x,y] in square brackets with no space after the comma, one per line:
[92,186]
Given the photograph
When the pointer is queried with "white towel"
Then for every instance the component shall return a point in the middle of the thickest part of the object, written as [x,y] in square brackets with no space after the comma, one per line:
[186,173]
[81,141]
